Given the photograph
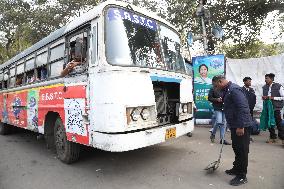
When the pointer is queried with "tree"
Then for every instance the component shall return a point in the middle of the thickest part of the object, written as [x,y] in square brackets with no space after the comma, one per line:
[241,20]
[13,20]
[24,23]
[254,49]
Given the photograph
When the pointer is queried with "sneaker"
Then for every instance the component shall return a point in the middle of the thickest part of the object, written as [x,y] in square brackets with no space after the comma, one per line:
[231,171]
[212,138]
[271,141]
[225,142]
[210,130]
[238,181]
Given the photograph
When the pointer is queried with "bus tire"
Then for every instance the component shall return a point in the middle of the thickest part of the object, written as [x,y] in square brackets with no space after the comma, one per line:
[189,134]
[4,129]
[68,152]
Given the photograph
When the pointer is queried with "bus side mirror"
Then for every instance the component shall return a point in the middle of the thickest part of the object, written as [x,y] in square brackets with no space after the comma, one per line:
[80,49]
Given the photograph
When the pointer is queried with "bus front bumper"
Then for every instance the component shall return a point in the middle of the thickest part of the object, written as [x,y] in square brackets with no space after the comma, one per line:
[139,139]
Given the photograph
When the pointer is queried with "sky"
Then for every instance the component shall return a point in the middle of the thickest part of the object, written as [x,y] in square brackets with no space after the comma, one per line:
[268,35]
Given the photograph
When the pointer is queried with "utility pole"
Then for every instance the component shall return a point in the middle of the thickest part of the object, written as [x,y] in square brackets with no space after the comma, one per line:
[204,16]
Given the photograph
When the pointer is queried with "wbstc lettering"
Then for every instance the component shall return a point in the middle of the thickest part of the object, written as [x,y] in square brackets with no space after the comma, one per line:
[119,14]
[51,96]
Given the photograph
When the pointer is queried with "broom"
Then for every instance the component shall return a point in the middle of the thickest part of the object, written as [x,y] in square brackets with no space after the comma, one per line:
[215,164]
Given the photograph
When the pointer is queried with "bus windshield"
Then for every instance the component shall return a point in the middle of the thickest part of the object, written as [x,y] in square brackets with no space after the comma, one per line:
[135,40]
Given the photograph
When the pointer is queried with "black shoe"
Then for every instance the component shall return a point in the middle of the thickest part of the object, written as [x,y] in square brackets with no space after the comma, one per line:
[231,172]
[212,138]
[238,181]
[225,142]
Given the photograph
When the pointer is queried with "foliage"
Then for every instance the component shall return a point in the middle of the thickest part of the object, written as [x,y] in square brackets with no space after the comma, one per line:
[254,49]
[24,23]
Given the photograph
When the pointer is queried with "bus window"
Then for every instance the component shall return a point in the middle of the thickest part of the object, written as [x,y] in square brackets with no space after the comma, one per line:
[30,64]
[12,71]
[57,52]
[56,68]
[20,74]
[12,77]
[42,73]
[30,76]
[78,46]
[41,59]
[19,79]
[6,77]
[77,55]
[12,81]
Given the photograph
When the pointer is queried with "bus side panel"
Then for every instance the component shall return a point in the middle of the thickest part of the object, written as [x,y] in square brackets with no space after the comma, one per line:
[75,103]
[50,100]
[70,103]
[16,105]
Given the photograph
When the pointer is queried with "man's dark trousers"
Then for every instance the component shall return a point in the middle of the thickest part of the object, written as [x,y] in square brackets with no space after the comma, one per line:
[278,120]
[240,145]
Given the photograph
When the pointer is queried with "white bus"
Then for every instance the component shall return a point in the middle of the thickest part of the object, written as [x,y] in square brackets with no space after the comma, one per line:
[131,89]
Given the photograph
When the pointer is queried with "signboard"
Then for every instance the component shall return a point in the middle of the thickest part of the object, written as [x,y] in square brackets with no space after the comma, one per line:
[205,68]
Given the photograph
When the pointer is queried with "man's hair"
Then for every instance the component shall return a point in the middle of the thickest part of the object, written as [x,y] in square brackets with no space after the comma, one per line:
[217,78]
[246,78]
[201,66]
[270,75]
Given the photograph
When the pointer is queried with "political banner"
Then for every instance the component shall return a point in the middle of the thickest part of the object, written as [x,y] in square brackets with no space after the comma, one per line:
[205,68]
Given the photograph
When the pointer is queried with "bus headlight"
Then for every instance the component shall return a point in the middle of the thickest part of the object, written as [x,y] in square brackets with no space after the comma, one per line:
[135,114]
[145,114]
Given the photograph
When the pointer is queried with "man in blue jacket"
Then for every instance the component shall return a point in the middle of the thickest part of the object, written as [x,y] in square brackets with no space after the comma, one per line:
[239,120]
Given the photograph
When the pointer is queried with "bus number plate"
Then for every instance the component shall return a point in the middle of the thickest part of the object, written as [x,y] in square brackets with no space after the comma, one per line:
[170,133]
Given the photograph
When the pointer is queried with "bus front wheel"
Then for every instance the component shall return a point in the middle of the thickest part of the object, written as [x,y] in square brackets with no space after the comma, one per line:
[4,129]
[68,152]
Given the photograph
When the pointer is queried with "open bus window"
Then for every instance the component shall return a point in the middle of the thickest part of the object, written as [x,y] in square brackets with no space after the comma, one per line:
[19,79]
[30,76]
[77,55]
[42,73]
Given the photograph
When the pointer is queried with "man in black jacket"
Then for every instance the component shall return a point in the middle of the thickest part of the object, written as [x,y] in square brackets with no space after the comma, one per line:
[215,96]
[250,94]
[275,92]
[239,120]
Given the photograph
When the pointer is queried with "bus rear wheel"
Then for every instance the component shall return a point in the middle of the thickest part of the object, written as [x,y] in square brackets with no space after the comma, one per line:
[68,152]
[4,129]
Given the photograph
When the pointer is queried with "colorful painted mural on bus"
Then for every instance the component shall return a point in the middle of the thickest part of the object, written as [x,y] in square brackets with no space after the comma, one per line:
[28,109]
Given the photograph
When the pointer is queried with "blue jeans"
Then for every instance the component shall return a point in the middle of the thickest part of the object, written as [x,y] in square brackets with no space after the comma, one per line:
[220,122]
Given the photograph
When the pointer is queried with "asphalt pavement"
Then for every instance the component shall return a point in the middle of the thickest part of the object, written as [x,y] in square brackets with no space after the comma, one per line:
[25,163]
